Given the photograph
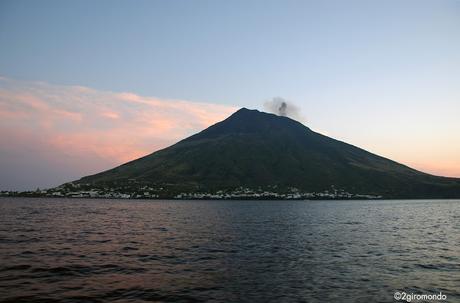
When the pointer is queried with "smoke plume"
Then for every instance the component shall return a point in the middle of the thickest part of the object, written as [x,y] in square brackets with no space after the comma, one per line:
[282,107]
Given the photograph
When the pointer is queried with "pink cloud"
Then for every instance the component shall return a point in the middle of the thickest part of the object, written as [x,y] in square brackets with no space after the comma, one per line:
[110,115]
[75,123]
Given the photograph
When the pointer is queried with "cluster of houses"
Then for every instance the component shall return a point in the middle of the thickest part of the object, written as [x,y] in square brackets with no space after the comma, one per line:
[291,194]
[76,190]
[72,190]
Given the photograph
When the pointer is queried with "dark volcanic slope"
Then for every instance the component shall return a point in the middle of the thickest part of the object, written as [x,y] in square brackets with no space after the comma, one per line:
[252,149]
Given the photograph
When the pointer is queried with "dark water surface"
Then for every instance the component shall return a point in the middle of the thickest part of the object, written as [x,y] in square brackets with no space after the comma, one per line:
[227,251]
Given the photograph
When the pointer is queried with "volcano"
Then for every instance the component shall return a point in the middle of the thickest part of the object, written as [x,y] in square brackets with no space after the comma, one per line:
[257,152]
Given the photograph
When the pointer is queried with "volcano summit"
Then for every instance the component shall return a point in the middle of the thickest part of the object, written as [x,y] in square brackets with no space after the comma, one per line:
[253,154]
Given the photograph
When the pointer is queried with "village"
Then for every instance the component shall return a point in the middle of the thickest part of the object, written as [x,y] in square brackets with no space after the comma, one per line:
[76,190]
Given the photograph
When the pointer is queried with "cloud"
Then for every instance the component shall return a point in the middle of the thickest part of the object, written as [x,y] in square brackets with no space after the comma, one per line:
[72,124]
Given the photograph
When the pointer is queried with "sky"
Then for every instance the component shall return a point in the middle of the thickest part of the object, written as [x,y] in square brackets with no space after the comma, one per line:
[88,85]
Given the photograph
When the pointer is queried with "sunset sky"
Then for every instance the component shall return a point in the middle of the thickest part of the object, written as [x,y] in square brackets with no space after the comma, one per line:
[87,85]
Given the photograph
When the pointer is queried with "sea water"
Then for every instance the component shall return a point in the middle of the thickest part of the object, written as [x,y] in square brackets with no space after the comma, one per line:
[83,250]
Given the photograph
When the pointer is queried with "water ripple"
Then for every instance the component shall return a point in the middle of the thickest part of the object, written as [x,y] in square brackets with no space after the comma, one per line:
[54,250]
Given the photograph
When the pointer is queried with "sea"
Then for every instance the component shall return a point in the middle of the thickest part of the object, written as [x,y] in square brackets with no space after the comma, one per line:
[84,250]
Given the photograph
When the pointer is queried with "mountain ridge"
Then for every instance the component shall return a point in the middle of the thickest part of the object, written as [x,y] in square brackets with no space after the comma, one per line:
[262,151]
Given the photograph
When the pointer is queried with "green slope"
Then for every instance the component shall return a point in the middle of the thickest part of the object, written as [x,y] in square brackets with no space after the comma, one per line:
[255,149]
